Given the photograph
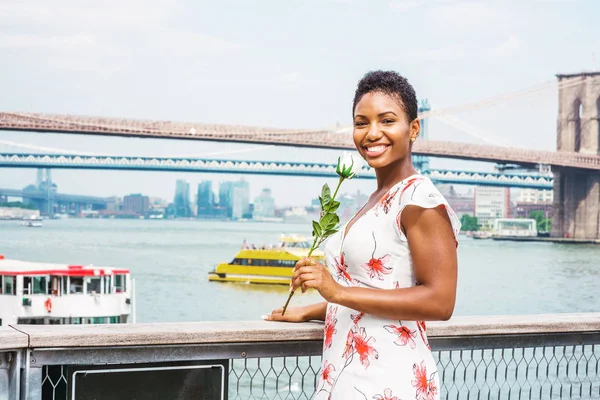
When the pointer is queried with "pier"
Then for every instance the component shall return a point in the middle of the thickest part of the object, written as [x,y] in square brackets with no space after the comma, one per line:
[501,357]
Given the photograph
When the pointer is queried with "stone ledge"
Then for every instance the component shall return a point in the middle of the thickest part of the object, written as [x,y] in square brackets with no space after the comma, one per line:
[12,339]
[42,336]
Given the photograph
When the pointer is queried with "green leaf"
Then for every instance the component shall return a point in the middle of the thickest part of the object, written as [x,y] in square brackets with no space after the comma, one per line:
[329,221]
[317,230]
[329,232]
[326,194]
[333,206]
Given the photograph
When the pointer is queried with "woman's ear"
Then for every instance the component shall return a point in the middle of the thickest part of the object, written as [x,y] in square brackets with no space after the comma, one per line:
[415,129]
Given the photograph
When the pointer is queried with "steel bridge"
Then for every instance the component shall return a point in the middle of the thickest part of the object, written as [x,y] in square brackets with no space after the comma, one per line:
[66,161]
[298,138]
[56,197]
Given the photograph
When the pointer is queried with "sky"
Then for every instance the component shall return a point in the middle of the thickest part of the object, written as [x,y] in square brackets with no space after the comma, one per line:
[284,64]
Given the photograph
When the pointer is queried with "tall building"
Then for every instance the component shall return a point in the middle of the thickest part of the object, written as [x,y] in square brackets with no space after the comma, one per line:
[136,204]
[206,198]
[240,200]
[182,199]
[264,205]
[536,196]
[491,203]
[226,197]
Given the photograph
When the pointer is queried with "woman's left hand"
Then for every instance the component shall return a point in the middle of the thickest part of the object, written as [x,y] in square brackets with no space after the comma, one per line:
[311,274]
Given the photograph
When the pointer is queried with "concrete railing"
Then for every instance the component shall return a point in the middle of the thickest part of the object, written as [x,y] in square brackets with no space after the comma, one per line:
[504,357]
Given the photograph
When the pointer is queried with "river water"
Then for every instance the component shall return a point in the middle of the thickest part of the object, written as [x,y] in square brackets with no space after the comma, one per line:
[170,260]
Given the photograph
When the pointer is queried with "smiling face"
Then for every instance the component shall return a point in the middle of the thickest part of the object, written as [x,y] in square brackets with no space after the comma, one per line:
[382,131]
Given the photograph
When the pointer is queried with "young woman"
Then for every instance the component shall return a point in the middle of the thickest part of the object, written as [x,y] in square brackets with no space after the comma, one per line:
[389,269]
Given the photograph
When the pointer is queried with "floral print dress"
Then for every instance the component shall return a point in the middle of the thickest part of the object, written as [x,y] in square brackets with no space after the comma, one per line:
[365,356]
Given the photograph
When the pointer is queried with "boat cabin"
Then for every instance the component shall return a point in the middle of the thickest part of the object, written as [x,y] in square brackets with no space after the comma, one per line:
[43,293]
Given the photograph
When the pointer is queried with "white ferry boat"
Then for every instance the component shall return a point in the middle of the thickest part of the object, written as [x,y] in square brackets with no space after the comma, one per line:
[47,294]
[32,222]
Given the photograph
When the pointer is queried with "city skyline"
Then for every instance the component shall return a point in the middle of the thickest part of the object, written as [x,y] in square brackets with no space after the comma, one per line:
[301,85]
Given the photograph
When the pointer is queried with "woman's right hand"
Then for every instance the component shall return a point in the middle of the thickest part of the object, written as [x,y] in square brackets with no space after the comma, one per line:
[292,314]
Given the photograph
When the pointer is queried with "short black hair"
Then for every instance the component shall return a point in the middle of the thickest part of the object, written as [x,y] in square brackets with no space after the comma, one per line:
[391,83]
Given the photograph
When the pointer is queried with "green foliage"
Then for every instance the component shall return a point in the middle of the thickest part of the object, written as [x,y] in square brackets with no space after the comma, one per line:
[469,223]
[543,224]
[18,204]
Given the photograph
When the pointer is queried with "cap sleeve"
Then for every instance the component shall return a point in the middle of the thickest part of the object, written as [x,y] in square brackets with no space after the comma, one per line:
[423,193]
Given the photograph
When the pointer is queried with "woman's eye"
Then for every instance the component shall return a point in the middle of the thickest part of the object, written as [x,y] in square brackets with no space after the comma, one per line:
[388,121]
[360,124]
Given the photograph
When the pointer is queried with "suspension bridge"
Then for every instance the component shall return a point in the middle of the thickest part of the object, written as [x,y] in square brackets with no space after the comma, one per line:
[278,168]
[575,164]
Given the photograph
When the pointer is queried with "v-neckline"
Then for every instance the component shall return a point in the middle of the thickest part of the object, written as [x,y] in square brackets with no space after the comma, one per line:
[356,217]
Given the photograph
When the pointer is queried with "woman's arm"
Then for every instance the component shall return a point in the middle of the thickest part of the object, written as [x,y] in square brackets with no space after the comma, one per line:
[299,314]
[433,250]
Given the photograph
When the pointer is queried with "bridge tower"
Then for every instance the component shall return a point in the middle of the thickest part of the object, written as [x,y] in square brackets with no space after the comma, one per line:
[577,192]
[422,162]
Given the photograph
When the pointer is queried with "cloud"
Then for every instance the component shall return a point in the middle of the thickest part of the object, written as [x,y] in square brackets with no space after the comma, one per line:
[404,5]
[444,53]
[465,15]
[49,42]
[130,12]
[506,48]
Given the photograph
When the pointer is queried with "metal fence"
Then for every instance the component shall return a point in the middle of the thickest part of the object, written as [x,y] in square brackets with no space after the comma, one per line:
[517,366]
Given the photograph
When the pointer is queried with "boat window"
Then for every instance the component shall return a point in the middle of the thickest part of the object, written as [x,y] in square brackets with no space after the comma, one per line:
[35,285]
[93,285]
[108,284]
[9,285]
[114,320]
[54,285]
[65,285]
[76,285]
[120,283]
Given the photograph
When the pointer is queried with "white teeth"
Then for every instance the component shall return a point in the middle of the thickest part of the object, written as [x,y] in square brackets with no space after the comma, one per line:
[375,148]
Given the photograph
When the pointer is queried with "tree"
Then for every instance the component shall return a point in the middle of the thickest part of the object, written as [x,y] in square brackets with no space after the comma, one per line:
[543,224]
[469,223]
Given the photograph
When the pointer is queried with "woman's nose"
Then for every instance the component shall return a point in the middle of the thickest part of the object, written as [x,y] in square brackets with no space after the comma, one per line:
[374,132]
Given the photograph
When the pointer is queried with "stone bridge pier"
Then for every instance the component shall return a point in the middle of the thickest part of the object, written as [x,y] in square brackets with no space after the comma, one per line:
[576,191]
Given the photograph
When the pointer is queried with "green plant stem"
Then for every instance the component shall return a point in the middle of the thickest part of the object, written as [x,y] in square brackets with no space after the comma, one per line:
[314,245]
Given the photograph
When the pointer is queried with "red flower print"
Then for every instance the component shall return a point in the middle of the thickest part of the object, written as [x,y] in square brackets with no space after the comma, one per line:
[326,375]
[341,268]
[426,389]
[387,395]
[422,332]
[386,202]
[377,267]
[405,335]
[330,330]
[348,348]
[356,317]
[362,346]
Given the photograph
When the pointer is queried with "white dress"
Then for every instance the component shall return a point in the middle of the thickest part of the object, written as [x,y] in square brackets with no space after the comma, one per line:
[365,356]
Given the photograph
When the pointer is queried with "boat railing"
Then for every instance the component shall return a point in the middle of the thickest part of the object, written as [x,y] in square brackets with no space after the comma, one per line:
[501,357]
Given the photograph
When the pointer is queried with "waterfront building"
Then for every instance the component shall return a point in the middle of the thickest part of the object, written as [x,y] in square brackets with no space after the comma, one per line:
[205,199]
[264,205]
[182,199]
[240,200]
[536,196]
[461,203]
[136,204]
[226,197]
[491,203]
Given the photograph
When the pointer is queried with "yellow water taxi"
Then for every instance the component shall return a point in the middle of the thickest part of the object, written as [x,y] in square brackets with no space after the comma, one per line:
[271,265]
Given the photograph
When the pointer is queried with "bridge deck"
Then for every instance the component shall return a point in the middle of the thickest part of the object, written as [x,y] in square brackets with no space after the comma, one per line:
[297,138]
